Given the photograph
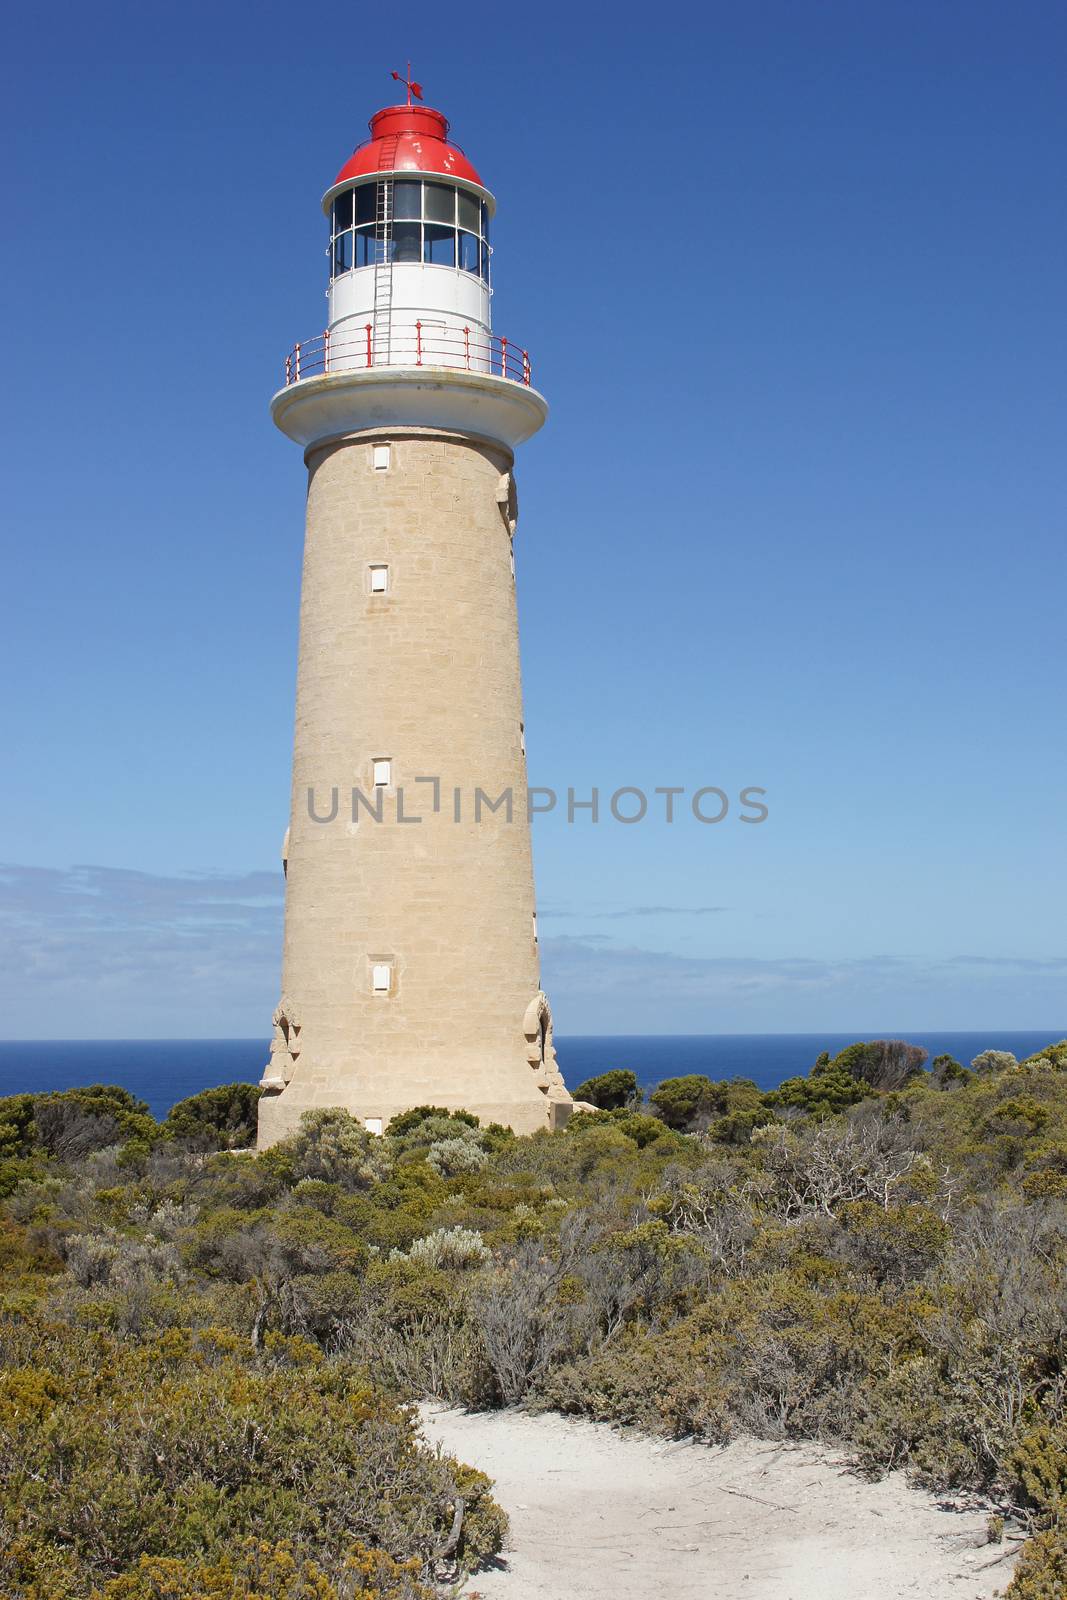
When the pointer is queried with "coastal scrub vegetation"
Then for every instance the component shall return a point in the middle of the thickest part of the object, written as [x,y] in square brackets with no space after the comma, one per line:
[207,1356]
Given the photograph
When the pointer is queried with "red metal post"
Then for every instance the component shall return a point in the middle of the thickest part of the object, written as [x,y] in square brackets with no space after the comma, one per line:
[526,368]
[288,370]
[370,348]
[298,363]
[467,347]
[326,351]
[503,356]
[418,344]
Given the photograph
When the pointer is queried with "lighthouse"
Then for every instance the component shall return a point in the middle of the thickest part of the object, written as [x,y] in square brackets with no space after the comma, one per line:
[410,968]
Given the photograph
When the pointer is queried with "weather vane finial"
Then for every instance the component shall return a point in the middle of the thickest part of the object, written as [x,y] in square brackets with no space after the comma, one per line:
[413,88]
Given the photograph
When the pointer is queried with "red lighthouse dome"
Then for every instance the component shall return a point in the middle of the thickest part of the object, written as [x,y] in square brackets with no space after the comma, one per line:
[408,139]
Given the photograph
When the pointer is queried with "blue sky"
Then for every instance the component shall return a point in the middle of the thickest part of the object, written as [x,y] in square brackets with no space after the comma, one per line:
[792,279]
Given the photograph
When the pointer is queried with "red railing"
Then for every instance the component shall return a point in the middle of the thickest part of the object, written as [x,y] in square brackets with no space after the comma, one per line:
[354,347]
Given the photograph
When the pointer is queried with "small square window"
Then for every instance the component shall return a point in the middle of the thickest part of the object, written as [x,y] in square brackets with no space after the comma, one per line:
[383,772]
[380,454]
[381,975]
[373,1125]
[379,580]
[522,737]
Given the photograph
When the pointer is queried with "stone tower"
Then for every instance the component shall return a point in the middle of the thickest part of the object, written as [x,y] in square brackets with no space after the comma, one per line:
[410,971]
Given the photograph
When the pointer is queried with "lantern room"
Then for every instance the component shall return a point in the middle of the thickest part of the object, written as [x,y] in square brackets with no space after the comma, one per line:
[409,338]
[408,248]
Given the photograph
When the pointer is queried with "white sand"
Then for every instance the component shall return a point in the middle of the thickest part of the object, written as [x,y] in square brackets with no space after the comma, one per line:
[621,1517]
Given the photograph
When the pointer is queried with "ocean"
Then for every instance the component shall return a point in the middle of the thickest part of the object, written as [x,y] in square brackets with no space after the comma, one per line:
[163,1071]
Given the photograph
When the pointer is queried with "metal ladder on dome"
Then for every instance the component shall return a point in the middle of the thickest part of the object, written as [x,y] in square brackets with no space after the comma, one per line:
[383,264]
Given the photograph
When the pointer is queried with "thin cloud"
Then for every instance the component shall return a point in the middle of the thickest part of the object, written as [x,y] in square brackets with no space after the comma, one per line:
[1011,963]
[613,988]
[107,952]
[104,950]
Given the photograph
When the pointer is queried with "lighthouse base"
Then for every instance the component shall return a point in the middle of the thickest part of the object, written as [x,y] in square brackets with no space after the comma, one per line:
[279,1114]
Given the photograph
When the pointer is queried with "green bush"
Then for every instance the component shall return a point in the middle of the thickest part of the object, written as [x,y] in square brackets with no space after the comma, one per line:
[994,1061]
[680,1102]
[449,1157]
[16,1126]
[73,1123]
[1053,1055]
[883,1064]
[216,1119]
[332,1145]
[1041,1572]
[948,1073]
[609,1091]
[256,1570]
[407,1121]
[1037,1469]
[182,1447]
[827,1091]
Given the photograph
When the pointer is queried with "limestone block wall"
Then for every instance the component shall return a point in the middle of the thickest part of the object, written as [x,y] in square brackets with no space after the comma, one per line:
[425,676]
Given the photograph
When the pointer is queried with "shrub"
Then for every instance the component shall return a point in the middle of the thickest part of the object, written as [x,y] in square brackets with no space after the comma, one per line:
[333,1146]
[1053,1055]
[884,1064]
[643,1130]
[74,1122]
[1041,1572]
[609,1091]
[990,1061]
[826,1165]
[895,1245]
[216,1119]
[1037,1468]
[828,1090]
[407,1121]
[680,1102]
[438,1128]
[16,1126]
[450,1248]
[181,1447]
[947,1073]
[258,1569]
[448,1157]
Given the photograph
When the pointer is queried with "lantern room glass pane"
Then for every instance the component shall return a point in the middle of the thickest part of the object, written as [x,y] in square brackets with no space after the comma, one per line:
[366,202]
[468,252]
[468,210]
[342,212]
[365,252]
[342,253]
[407,242]
[440,202]
[439,246]
[485,220]
[485,261]
[407,198]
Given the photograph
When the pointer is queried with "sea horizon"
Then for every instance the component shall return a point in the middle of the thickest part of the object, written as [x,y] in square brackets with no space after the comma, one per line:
[163,1071]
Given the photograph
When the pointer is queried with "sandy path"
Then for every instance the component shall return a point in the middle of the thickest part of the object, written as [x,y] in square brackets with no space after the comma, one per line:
[595,1513]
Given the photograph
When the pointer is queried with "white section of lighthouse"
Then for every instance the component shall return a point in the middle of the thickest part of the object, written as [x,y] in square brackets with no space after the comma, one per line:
[410,970]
